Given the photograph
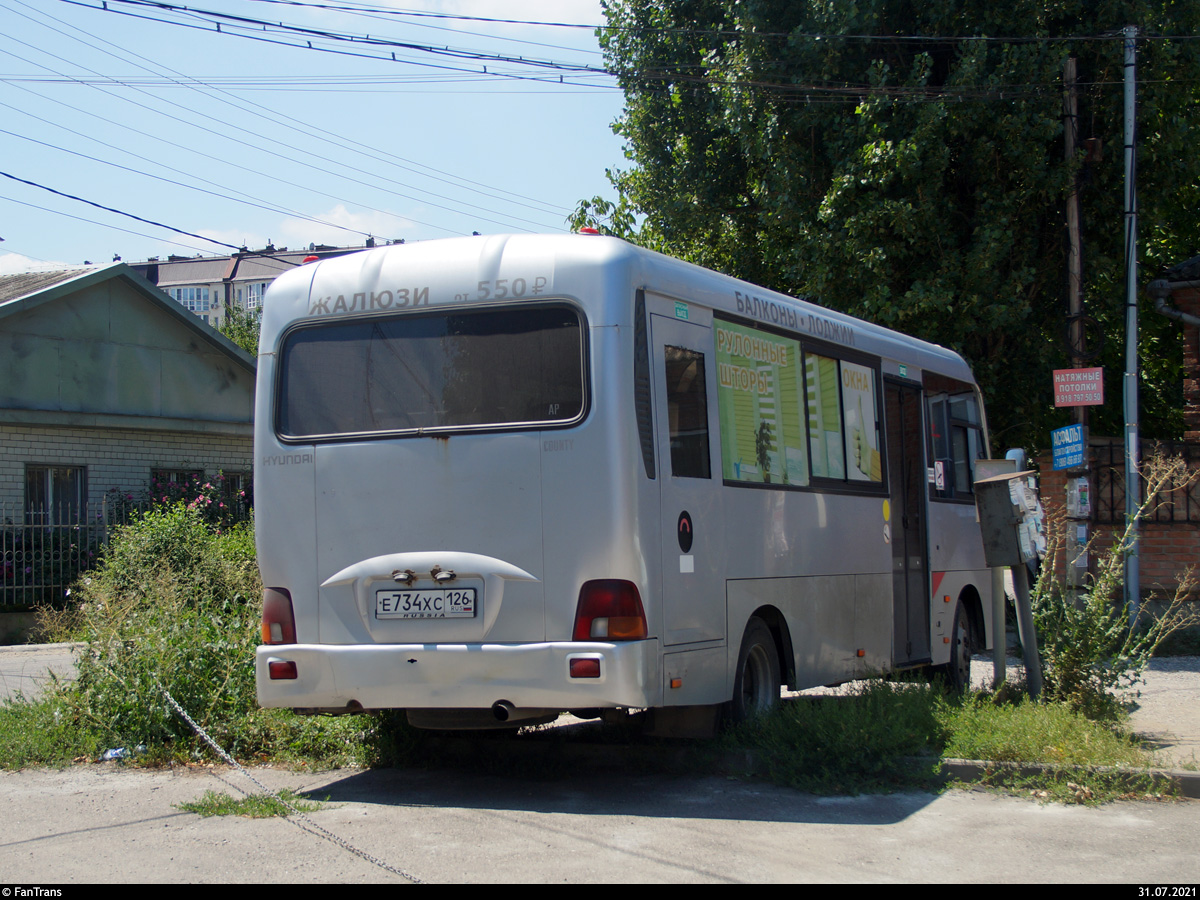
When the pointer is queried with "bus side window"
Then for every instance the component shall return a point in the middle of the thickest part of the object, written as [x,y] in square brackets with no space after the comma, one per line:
[956,441]
[687,411]
[827,448]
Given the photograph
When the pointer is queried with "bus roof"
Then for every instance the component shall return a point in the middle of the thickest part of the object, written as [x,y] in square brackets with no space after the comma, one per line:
[491,268]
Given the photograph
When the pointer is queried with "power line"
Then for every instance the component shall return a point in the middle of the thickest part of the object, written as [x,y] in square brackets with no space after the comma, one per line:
[384,13]
[722,32]
[248,202]
[294,124]
[301,162]
[58,212]
[412,13]
[250,27]
[121,212]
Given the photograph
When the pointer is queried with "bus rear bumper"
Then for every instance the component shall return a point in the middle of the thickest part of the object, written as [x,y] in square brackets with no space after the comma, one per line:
[459,676]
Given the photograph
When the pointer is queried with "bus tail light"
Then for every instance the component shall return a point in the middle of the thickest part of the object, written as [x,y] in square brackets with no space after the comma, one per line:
[278,621]
[584,667]
[282,670]
[609,610]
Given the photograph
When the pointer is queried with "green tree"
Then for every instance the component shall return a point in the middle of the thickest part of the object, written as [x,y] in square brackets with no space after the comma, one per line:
[903,162]
[242,327]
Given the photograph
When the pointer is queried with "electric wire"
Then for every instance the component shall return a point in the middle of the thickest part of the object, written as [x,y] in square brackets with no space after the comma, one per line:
[298,125]
[121,212]
[308,36]
[107,225]
[302,162]
[386,13]
[738,33]
[303,127]
[241,168]
[247,202]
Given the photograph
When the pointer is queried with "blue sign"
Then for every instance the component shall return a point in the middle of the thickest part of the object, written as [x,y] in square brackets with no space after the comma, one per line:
[1068,446]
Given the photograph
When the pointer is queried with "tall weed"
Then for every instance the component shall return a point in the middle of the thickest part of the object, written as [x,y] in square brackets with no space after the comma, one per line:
[173,604]
[1090,653]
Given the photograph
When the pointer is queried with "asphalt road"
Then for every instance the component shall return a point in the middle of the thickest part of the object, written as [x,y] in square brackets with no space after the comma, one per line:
[104,824]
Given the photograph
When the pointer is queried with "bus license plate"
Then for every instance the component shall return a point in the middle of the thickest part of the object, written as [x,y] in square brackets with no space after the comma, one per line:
[438,603]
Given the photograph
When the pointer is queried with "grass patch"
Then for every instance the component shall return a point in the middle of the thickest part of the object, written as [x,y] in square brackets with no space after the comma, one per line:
[255,806]
[41,733]
[1079,760]
[1051,733]
[863,742]
[893,736]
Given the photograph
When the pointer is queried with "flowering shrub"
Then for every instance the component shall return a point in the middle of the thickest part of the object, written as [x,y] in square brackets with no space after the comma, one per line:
[211,497]
[120,506]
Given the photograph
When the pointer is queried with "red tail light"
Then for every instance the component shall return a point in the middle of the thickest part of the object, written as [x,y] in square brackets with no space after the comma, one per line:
[609,610]
[282,670]
[278,621]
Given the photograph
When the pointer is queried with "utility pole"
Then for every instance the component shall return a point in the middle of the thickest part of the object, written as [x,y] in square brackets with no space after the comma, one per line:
[1133,484]
[1078,485]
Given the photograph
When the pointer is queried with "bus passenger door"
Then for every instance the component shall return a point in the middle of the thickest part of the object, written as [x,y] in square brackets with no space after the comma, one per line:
[906,476]
[685,395]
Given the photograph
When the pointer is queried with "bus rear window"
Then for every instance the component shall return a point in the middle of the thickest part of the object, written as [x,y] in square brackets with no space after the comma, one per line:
[495,368]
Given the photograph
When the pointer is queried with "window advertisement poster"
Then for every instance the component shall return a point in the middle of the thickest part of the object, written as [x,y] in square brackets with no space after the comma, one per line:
[862,429]
[824,417]
[760,393]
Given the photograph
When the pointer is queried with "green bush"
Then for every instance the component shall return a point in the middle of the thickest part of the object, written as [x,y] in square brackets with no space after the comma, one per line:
[174,605]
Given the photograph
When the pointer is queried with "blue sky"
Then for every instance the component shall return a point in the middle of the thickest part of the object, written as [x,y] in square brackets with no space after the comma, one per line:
[251,141]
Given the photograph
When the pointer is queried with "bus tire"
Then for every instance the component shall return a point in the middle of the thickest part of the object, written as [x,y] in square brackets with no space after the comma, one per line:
[756,679]
[957,672]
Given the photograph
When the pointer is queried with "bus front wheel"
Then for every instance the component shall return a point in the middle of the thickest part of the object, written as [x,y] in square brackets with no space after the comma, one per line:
[756,682]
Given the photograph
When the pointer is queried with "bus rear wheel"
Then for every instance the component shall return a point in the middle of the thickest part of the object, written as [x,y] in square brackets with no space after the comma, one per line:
[756,682]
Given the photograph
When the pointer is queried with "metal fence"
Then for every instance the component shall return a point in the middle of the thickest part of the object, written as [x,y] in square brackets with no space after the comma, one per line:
[1180,505]
[41,556]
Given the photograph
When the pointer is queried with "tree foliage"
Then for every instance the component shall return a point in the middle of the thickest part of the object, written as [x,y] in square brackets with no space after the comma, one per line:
[904,163]
[242,327]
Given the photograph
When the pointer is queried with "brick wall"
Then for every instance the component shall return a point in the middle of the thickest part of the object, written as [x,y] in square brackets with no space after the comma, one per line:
[115,458]
[1166,548]
[1188,300]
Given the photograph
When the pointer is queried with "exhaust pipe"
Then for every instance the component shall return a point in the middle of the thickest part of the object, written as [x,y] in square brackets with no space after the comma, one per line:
[503,710]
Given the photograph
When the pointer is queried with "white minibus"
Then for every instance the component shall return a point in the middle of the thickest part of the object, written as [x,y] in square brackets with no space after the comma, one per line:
[502,477]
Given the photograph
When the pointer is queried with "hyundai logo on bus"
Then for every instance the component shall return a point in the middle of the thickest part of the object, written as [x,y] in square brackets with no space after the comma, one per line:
[287,459]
